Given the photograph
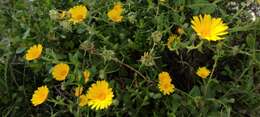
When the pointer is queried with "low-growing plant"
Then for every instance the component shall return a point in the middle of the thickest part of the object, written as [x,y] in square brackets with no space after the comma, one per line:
[129,58]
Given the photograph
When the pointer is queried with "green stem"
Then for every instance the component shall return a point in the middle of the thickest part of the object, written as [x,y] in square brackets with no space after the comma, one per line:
[195,47]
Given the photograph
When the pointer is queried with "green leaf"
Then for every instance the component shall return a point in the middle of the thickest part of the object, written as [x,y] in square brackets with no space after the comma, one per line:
[195,91]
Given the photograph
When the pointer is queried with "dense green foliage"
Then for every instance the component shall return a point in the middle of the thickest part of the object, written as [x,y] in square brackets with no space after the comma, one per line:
[113,51]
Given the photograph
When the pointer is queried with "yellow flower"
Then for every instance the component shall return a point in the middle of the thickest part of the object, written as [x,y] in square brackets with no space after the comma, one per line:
[83,100]
[34,52]
[171,41]
[78,91]
[99,95]
[164,77]
[209,28]
[78,13]
[165,85]
[203,72]
[86,75]
[40,95]
[60,71]
[115,13]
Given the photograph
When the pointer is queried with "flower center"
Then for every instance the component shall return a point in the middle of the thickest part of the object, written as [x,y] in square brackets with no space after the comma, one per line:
[101,96]
[166,86]
[206,32]
[79,17]
[63,72]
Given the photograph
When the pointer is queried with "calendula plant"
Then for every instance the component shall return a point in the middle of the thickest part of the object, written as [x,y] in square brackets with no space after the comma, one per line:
[129,58]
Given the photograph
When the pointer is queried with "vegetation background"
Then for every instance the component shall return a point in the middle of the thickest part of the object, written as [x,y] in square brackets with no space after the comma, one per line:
[113,51]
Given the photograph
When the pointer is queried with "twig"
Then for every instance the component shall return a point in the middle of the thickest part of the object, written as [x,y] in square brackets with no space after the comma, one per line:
[133,69]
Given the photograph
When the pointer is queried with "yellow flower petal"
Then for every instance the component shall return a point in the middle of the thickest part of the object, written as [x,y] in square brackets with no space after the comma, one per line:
[99,95]
[164,84]
[115,13]
[78,91]
[209,28]
[83,100]
[40,95]
[86,75]
[60,71]
[78,13]
[203,72]
[34,52]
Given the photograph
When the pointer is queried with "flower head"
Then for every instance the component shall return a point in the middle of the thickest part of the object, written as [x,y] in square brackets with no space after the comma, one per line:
[209,28]
[86,75]
[99,95]
[78,13]
[148,59]
[34,52]
[165,85]
[83,100]
[172,42]
[40,95]
[115,13]
[60,71]
[203,72]
[78,91]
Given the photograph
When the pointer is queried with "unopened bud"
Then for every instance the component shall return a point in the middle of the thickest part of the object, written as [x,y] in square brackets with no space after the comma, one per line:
[156,36]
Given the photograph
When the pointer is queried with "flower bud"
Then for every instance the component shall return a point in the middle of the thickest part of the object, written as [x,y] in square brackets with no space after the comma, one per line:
[156,36]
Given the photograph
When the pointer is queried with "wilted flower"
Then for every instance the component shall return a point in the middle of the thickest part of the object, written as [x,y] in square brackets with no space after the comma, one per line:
[156,36]
[108,54]
[88,46]
[54,14]
[66,25]
[132,17]
[147,59]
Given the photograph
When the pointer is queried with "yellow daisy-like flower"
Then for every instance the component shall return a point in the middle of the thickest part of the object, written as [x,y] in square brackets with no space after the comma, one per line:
[60,71]
[203,72]
[165,85]
[209,28]
[78,91]
[86,75]
[34,52]
[78,13]
[40,95]
[115,13]
[99,95]
[83,100]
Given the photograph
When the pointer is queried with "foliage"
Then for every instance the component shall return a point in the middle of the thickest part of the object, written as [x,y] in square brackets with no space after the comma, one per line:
[129,55]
